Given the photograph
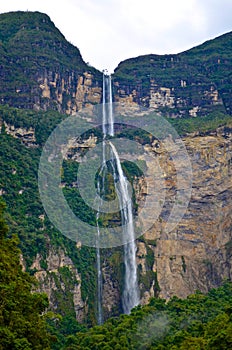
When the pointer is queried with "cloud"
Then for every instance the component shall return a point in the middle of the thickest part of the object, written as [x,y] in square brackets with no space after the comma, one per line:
[152,327]
[218,14]
[108,31]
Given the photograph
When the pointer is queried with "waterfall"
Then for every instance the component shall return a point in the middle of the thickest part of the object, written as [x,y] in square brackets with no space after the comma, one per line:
[107,107]
[111,117]
[130,297]
[102,172]
[99,276]
[104,112]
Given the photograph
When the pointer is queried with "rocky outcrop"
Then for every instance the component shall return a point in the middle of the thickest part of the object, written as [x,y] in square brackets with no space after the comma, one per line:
[27,136]
[76,146]
[40,69]
[171,100]
[188,84]
[196,255]
[61,281]
[69,91]
[110,294]
[69,151]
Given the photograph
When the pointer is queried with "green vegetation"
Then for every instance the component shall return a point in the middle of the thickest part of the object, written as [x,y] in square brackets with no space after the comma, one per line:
[36,49]
[201,322]
[191,76]
[31,50]
[35,39]
[198,322]
[18,181]
[61,327]
[42,122]
[201,125]
[21,325]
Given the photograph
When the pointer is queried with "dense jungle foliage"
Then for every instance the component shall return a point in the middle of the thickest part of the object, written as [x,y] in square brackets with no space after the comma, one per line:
[31,49]
[201,322]
[22,325]
[198,322]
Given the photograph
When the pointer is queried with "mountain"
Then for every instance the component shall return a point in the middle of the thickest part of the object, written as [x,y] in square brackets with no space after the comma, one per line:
[189,84]
[44,78]
[40,69]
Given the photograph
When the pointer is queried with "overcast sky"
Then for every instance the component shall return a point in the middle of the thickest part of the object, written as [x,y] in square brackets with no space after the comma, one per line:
[109,31]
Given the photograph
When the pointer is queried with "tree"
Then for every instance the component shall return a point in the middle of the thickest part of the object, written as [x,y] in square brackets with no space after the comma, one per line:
[22,326]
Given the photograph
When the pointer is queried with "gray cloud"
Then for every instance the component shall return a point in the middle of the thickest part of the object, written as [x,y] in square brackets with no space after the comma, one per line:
[108,31]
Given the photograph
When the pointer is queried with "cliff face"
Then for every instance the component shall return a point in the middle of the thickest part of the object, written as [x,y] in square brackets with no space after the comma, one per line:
[39,69]
[68,92]
[61,282]
[197,254]
[189,84]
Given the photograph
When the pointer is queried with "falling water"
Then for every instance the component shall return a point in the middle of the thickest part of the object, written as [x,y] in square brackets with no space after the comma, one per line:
[99,273]
[111,117]
[107,107]
[104,111]
[130,297]
[102,172]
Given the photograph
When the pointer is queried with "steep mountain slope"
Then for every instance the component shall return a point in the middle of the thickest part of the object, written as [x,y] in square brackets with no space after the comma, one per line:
[195,82]
[196,255]
[39,69]
[21,324]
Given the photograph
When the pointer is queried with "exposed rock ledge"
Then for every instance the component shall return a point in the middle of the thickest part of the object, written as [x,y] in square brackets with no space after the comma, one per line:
[27,136]
[52,280]
[196,255]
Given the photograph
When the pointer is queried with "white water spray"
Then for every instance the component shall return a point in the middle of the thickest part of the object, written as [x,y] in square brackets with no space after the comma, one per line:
[130,297]
[99,272]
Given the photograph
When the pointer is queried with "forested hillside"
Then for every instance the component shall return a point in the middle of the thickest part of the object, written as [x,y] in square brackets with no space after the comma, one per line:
[198,322]
[189,84]
[40,69]
[183,275]
[22,325]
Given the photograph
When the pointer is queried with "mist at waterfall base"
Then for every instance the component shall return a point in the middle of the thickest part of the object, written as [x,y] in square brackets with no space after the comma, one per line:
[130,295]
